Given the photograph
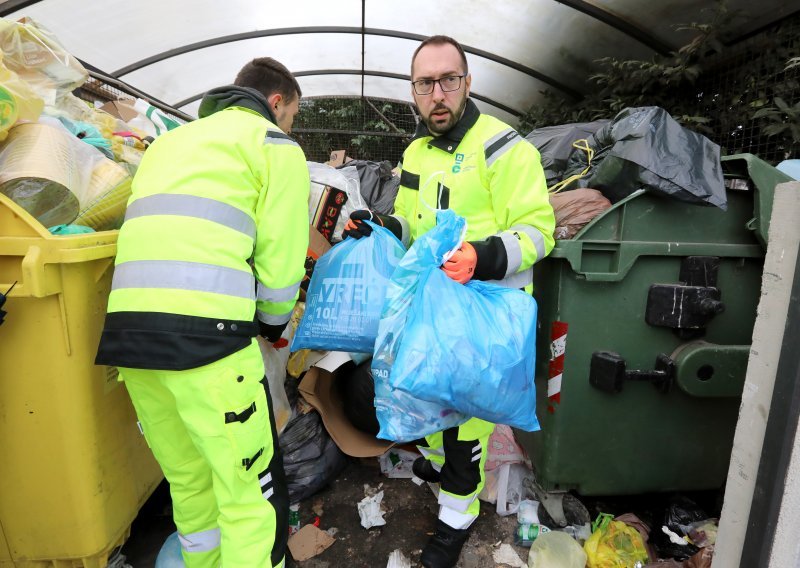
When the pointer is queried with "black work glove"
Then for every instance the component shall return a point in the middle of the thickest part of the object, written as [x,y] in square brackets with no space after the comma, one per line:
[356,227]
[272,333]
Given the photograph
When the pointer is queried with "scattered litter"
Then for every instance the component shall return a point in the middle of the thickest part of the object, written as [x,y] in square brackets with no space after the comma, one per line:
[528,512]
[308,542]
[294,518]
[332,531]
[317,507]
[417,480]
[396,463]
[398,560]
[369,509]
[674,538]
[508,556]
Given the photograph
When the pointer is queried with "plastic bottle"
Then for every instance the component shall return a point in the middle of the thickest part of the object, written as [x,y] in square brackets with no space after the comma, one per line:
[528,532]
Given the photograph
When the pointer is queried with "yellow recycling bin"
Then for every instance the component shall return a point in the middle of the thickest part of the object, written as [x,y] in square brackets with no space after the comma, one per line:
[73,465]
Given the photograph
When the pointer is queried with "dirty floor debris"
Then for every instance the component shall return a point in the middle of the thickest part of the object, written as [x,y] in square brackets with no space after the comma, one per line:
[409,510]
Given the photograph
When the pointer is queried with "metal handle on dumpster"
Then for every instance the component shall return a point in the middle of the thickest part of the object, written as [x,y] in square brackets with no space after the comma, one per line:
[608,372]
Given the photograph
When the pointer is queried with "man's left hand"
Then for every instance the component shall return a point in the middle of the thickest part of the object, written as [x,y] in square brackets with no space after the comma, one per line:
[461,266]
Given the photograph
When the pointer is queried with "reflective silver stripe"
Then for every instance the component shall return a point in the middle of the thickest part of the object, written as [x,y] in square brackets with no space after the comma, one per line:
[275,137]
[517,280]
[477,448]
[494,153]
[182,275]
[460,504]
[193,206]
[264,480]
[200,541]
[499,136]
[270,319]
[405,233]
[456,519]
[513,252]
[535,236]
[269,493]
[276,295]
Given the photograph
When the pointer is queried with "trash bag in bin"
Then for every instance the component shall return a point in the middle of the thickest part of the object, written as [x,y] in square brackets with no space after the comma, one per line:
[346,294]
[358,397]
[555,145]
[377,184]
[311,459]
[646,148]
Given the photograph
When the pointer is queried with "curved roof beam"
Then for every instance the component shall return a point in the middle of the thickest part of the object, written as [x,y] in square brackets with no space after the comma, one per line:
[398,76]
[598,13]
[338,30]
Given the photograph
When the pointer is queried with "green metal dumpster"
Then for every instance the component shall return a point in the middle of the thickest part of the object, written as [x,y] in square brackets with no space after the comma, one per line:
[646,318]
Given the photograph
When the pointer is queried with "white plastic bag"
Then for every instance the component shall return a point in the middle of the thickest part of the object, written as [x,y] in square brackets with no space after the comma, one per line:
[510,487]
[556,550]
[323,176]
[275,369]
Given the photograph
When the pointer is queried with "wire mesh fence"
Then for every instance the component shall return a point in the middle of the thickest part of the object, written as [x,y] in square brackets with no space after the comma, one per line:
[742,91]
[366,128]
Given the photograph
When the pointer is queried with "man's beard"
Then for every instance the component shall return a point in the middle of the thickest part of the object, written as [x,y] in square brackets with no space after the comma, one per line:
[452,119]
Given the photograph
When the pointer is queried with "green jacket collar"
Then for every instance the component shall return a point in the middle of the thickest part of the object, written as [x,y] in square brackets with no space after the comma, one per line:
[450,140]
[221,98]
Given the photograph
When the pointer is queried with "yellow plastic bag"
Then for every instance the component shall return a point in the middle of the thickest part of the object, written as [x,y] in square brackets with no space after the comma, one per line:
[614,544]
[17,100]
[34,53]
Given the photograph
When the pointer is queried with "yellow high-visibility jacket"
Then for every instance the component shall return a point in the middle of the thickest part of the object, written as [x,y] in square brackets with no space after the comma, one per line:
[486,172]
[214,242]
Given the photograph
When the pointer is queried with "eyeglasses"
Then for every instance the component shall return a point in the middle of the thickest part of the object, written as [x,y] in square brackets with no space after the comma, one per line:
[449,83]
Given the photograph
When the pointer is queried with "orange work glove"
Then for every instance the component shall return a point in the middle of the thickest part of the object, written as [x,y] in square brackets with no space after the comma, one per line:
[461,266]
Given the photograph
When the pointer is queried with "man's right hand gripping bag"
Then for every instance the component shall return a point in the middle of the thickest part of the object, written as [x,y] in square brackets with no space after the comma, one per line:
[451,350]
[346,294]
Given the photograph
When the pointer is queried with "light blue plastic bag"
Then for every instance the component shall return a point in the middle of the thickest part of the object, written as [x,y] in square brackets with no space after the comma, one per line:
[472,348]
[346,294]
[403,417]
[465,347]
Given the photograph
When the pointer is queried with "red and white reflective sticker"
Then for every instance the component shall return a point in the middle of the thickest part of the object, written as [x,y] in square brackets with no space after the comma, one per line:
[558,347]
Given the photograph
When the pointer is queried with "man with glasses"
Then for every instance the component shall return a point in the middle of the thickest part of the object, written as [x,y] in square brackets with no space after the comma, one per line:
[486,172]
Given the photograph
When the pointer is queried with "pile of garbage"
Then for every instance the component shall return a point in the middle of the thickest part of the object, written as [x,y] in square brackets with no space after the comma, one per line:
[67,162]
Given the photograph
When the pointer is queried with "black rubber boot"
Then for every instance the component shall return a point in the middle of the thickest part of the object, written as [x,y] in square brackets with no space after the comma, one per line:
[424,469]
[444,547]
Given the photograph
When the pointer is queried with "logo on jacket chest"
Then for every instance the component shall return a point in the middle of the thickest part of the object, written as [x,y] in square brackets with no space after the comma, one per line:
[462,163]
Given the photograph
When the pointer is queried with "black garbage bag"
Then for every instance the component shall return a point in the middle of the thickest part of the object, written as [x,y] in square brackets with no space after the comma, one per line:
[555,145]
[646,148]
[358,397]
[311,459]
[378,185]
[680,512]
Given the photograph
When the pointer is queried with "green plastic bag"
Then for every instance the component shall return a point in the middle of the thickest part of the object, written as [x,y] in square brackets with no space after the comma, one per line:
[614,544]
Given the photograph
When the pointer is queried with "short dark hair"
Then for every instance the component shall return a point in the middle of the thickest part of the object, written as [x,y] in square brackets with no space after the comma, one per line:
[268,76]
[440,40]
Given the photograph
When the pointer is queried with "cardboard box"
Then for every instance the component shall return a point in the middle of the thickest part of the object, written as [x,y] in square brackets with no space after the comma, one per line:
[122,109]
[337,158]
[319,390]
[317,246]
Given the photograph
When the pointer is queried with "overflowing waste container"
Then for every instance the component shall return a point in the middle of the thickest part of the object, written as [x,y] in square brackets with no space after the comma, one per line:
[646,318]
[75,468]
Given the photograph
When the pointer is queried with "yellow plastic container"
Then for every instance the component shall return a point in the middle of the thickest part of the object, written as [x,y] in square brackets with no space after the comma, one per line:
[74,467]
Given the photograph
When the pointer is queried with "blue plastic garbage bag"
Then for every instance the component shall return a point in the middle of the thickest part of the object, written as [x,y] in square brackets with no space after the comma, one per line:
[472,348]
[403,417]
[170,555]
[346,294]
[469,348]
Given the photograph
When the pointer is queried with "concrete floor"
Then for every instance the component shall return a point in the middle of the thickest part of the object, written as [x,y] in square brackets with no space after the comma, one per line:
[410,514]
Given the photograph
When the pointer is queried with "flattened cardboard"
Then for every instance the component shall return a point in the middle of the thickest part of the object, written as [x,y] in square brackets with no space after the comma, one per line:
[122,109]
[317,246]
[318,389]
[308,542]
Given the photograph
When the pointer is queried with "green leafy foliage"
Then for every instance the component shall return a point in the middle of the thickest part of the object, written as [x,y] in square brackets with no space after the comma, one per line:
[744,99]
